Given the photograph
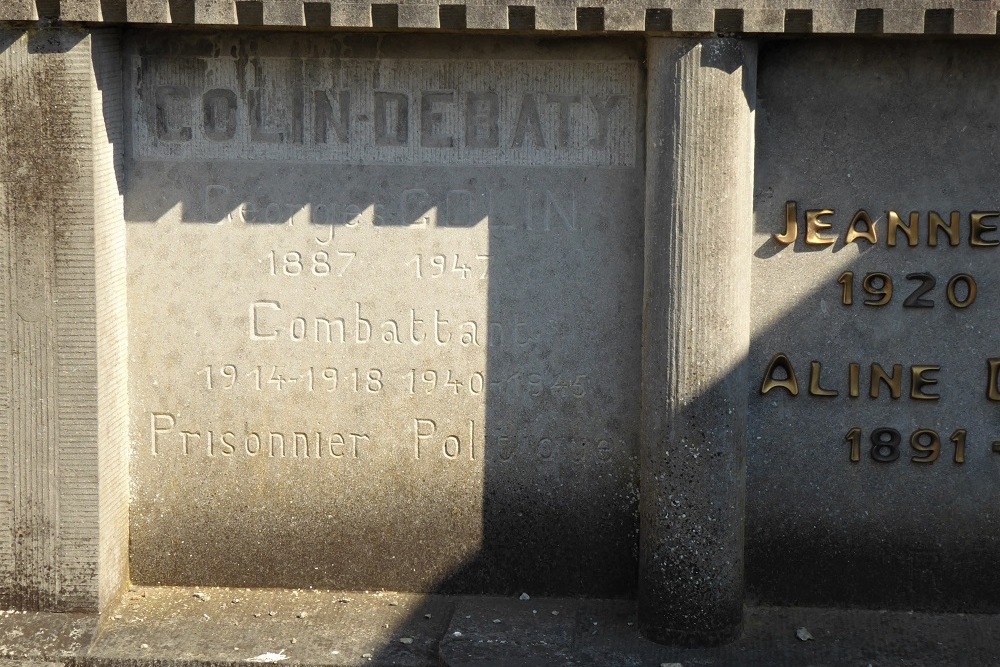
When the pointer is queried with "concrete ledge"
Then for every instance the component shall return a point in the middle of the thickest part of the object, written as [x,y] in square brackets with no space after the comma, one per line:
[225,626]
[175,627]
[960,17]
[37,638]
[601,634]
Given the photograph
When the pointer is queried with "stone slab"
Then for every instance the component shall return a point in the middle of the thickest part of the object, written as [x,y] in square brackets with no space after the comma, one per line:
[81,11]
[596,634]
[975,22]
[63,534]
[147,12]
[701,16]
[216,626]
[900,127]
[38,638]
[172,627]
[405,355]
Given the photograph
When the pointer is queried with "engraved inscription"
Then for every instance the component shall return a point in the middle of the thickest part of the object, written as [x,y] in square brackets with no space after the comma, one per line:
[921,290]
[436,266]
[886,443]
[471,112]
[505,448]
[320,264]
[167,438]
[780,374]
[268,320]
[978,228]
[346,323]
[960,291]
[546,210]
[423,382]
[450,443]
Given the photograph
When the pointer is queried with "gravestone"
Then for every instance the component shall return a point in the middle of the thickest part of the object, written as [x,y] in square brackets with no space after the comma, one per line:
[875,484]
[674,311]
[384,313]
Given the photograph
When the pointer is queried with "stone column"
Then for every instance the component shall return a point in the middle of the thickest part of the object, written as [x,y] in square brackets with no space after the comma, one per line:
[63,412]
[696,336]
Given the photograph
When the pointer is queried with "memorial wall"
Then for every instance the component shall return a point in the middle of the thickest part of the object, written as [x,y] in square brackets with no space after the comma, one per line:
[385,312]
[649,304]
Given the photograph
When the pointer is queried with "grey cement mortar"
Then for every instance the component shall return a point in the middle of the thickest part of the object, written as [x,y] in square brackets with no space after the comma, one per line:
[545,496]
[879,126]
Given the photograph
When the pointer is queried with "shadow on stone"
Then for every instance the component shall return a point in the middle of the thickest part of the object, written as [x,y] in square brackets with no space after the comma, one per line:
[559,483]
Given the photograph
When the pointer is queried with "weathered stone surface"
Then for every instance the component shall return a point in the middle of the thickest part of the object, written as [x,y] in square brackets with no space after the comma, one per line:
[700,16]
[173,627]
[63,465]
[598,633]
[220,626]
[384,299]
[906,128]
[395,348]
[32,639]
[696,334]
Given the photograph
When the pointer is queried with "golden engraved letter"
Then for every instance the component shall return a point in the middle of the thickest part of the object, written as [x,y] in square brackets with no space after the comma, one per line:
[918,381]
[977,228]
[895,383]
[992,391]
[815,369]
[791,224]
[789,382]
[912,230]
[935,222]
[869,234]
[814,226]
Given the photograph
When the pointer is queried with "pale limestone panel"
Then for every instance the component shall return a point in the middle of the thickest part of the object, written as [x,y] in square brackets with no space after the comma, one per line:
[350,14]
[833,20]
[555,16]
[418,15]
[63,429]
[903,21]
[486,16]
[214,11]
[110,304]
[764,20]
[419,375]
[147,12]
[693,19]
[18,10]
[624,18]
[81,10]
[975,22]
[284,13]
